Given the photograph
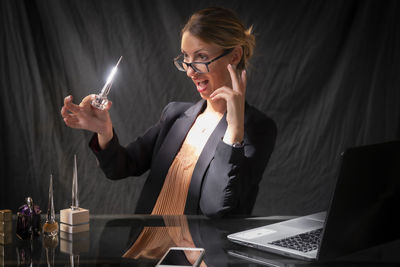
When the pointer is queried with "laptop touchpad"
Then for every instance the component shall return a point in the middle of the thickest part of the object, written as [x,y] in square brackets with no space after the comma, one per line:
[303,223]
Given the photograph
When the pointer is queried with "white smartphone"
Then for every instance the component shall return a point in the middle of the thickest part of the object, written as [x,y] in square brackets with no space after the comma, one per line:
[181,257]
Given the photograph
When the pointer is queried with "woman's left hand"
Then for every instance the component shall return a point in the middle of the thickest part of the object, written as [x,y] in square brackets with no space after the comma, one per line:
[235,100]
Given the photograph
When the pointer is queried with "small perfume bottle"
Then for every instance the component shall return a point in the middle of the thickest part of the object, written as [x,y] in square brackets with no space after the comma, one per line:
[28,220]
[5,228]
[50,228]
[100,101]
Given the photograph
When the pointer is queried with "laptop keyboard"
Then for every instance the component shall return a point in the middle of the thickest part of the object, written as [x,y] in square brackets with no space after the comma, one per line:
[304,242]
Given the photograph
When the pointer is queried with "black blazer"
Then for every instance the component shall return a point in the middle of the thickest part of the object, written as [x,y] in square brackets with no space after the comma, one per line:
[225,179]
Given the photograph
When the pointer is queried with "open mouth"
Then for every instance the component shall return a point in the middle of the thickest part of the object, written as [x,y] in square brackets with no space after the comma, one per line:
[202,86]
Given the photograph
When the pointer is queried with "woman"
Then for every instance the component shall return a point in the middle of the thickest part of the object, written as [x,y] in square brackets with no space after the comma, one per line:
[205,158]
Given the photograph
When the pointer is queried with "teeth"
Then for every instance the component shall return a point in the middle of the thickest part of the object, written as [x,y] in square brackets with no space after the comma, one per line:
[202,83]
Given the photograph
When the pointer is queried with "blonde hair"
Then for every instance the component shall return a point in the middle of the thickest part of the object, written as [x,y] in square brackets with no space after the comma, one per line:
[222,27]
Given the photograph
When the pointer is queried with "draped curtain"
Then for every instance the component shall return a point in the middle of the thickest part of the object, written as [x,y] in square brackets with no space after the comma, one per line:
[327,72]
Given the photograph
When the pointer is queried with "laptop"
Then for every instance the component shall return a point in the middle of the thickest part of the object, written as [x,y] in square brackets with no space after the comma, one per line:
[360,215]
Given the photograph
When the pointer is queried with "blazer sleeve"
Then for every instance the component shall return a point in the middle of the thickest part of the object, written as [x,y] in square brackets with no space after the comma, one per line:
[231,183]
[119,162]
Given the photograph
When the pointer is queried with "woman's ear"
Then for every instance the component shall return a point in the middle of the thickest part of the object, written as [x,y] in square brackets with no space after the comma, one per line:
[236,55]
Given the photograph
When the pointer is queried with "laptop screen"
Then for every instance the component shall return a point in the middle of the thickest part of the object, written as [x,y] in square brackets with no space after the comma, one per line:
[365,202]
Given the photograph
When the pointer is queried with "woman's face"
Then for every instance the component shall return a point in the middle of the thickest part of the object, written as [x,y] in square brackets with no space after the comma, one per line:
[196,50]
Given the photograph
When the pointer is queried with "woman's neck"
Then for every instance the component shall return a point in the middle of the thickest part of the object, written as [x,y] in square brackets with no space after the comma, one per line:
[216,107]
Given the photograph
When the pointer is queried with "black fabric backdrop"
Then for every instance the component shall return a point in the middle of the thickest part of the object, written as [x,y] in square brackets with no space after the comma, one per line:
[326,71]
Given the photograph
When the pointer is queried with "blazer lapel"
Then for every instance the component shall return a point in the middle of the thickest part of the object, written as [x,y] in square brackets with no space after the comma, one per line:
[192,201]
[168,150]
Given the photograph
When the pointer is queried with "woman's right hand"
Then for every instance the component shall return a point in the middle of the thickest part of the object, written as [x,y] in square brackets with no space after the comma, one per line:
[85,116]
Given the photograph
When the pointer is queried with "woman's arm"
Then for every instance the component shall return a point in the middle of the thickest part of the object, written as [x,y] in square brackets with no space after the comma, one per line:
[118,161]
[231,182]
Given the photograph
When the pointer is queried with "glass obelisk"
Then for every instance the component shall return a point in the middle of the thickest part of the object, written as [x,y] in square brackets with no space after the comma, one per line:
[75,219]
[50,227]
[75,195]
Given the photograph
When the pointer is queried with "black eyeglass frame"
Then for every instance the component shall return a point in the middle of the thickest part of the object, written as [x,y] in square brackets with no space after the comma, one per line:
[177,62]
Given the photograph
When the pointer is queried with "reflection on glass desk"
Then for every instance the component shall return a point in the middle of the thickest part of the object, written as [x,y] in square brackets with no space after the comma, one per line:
[141,240]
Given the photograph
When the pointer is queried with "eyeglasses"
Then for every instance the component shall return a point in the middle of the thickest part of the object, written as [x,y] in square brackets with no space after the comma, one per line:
[199,67]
